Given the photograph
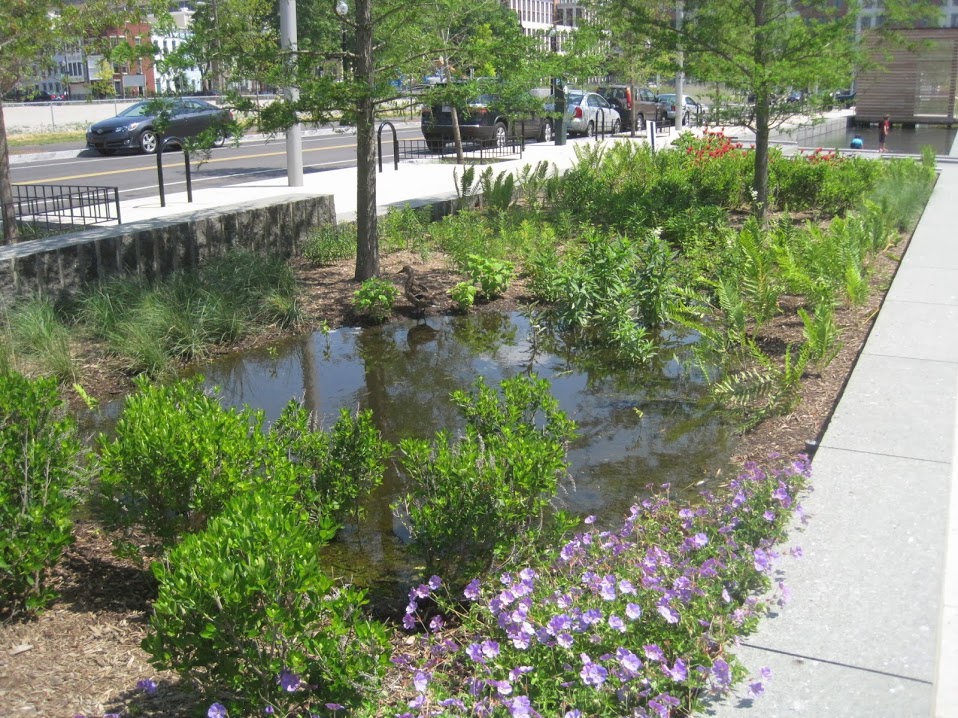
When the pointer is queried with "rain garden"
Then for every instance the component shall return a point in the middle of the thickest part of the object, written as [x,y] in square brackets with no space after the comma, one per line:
[515,605]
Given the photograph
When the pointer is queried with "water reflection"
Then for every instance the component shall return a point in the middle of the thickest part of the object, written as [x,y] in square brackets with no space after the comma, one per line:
[635,426]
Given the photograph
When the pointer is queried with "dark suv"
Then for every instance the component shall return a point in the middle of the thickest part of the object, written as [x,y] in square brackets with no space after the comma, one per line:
[647,107]
[481,121]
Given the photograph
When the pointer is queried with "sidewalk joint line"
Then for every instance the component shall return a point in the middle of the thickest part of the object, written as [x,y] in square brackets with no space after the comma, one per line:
[837,663]
[876,453]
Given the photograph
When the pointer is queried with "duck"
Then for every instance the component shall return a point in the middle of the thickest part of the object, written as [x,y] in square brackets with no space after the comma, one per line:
[416,292]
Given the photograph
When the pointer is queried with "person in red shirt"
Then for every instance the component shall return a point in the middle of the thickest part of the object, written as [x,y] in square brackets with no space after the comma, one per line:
[884,129]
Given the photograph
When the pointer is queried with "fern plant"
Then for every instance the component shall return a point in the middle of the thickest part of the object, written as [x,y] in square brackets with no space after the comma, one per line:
[821,335]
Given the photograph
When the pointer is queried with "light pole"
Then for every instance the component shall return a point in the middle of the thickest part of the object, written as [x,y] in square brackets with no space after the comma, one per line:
[558,91]
[294,134]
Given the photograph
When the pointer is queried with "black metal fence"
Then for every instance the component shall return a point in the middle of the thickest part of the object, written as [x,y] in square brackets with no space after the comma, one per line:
[477,150]
[54,204]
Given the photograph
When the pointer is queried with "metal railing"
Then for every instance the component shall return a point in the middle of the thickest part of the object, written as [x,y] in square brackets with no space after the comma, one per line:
[479,150]
[66,204]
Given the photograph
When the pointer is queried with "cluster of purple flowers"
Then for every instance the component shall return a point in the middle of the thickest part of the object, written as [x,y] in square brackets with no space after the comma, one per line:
[595,630]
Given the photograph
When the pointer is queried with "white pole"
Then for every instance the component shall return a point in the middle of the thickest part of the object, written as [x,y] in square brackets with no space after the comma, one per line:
[294,135]
[680,59]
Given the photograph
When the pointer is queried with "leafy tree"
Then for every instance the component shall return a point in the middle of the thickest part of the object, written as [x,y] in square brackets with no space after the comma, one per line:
[30,33]
[758,49]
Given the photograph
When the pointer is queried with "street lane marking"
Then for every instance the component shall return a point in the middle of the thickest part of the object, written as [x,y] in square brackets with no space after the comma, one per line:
[53,180]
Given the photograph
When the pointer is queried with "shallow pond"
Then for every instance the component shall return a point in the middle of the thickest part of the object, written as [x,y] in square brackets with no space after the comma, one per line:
[634,427]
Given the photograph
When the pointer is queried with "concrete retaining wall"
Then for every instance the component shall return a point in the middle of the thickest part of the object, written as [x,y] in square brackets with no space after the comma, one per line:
[153,248]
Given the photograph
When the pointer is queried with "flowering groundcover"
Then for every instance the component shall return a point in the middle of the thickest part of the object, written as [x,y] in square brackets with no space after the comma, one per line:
[628,622]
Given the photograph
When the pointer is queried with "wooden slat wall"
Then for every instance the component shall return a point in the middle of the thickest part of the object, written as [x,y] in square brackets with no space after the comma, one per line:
[893,89]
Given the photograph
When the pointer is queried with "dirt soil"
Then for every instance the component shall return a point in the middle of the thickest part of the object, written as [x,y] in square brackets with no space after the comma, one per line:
[82,656]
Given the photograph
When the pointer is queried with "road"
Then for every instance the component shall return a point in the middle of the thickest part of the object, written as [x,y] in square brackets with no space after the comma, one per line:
[135,174]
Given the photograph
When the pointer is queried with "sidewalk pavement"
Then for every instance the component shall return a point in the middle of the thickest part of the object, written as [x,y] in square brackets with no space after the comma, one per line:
[872,627]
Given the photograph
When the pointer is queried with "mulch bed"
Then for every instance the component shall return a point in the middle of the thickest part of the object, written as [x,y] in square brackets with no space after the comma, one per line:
[82,656]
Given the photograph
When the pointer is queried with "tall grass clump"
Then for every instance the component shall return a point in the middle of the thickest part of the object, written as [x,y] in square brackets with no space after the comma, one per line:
[40,338]
[903,189]
[151,324]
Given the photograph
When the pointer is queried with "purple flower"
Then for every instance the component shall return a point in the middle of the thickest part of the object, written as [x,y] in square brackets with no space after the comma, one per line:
[756,689]
[420,681]
[629,661]
[796,552]
[574,713]
[147,685]
[436,623]
[527,574]
[607,588]
[217,710]
[769,516]
[700,540]
[288,681]
[472,590]
[617,624]
[766,672]
[625,586]
[592,616]
[503,688]
[589,520]
[762,562]
[669,614]
[633,611]
[409,621]
[490,649]
[592,674]
[722,673]
[333,707]
[564,640]
[435,582]
[654,653]
[520,707]
[453,702]
[519,671]
[474,651]
[268,710]
[678,672]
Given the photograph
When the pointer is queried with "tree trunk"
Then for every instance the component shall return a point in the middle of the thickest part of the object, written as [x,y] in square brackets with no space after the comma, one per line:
[367,240]
[760,183]
[456,132]
[7,214]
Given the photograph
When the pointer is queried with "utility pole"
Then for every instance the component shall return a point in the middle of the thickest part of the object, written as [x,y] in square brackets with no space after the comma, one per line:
[294,135]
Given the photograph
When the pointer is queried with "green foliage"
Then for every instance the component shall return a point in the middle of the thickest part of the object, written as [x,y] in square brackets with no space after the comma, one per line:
[464,295]
[498,193]
[183,316]
[246,612]
[175,457]
[486,495]
[903,189]
[339,468]
[39,460]
[375,299]
[821,335]
[40,337]
[405,228]
[493,276]
[330,243]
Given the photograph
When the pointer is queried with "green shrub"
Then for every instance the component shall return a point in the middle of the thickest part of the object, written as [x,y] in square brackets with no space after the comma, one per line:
[493,276]
[404,228]
[486,495]
[246,611]
[39,454]
[339,468]
[375,299]
[464,295]
[330,243]
[175,457]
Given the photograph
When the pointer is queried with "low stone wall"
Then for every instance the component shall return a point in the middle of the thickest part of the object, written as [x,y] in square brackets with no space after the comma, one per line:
[154,248]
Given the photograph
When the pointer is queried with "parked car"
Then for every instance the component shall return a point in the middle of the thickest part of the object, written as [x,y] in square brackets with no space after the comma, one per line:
[693,108]
[136,126]
[647,106]
[844,98]
[589,112]
[482,121]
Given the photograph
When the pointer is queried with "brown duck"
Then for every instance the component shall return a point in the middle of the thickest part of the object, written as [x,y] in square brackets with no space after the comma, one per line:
[416,292]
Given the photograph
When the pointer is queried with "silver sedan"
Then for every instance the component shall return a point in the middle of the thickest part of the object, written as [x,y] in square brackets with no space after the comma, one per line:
[588,113]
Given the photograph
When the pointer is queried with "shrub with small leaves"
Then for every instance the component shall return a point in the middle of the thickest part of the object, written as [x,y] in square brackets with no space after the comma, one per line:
[246,611]
[375,299]
[39,459]
[330,243]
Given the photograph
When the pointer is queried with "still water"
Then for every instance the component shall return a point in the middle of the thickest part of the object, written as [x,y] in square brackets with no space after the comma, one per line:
[635,427]
[901,140]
